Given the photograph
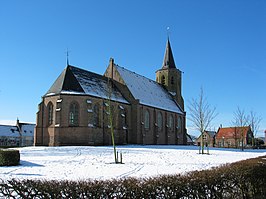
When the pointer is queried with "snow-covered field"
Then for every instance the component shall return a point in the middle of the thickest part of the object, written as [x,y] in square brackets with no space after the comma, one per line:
[79,163]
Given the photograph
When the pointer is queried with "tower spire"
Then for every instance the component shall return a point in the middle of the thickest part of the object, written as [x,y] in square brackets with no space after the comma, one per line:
[168,61]
[170,77]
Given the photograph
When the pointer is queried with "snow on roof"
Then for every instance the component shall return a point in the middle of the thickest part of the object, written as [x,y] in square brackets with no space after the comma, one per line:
[96,85]
[148,92]
[8,130]
[27,129]
[13,131]
[76,81]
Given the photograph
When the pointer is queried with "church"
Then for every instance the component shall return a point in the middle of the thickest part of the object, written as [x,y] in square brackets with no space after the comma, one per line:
[81,107]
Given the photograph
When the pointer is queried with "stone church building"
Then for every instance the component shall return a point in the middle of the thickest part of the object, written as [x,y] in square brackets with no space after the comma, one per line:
[81,106]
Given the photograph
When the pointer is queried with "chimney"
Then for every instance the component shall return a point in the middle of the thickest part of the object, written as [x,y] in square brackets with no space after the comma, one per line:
[111,63]
[17,122]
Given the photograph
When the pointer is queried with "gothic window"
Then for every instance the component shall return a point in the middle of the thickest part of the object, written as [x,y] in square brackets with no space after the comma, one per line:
[146,119]
[96,117]
[172,80]
[123,115]
[163,80]
[50,113]
[160,120]
[171,122]
[73,114]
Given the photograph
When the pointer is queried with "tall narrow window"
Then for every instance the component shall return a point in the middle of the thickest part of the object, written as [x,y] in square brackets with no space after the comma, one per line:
[146,119]
[171,122]
[160,120]
[123,114]
[73,114]
[163,80]
[96,117]
[50,113]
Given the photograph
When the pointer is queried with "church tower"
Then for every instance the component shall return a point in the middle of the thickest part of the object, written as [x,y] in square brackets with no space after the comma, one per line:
[170,77]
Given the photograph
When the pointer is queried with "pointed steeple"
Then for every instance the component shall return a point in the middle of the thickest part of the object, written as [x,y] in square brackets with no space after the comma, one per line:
[170,77]
[168,61]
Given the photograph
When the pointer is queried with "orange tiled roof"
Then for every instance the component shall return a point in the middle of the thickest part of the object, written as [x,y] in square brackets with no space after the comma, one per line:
[232,132]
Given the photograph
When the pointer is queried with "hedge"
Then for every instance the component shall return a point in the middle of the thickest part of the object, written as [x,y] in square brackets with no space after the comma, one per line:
[9,157]
[240,180]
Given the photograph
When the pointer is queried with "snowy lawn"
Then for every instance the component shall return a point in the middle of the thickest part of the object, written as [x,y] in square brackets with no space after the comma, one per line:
[79,163]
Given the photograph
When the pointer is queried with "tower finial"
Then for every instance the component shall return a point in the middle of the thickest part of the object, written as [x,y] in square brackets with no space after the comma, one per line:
[168,32]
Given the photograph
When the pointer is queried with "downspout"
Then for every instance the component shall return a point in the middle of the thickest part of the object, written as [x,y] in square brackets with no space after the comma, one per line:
[103,107]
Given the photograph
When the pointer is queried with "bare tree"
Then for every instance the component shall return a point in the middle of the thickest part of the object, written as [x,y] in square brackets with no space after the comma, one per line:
[240,120]
[112,117]
[254,122]
[201,114]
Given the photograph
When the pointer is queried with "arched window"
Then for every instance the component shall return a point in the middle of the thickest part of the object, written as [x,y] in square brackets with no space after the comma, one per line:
[171,122]
[146,119]
[123,114]
[163,80]
[160,120]
[172,80]
[96,120]
[50,113]
[73,114]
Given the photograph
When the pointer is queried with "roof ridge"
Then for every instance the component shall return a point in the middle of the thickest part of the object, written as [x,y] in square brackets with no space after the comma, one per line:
[234,127]
[136,73]
[7,125]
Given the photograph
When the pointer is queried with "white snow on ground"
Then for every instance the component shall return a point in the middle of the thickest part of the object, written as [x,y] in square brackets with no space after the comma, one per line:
[80,163]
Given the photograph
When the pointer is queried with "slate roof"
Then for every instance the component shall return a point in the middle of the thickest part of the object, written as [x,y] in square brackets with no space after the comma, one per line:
[74,80]
[147,91]
[211,133]
[8,130]
[232,132]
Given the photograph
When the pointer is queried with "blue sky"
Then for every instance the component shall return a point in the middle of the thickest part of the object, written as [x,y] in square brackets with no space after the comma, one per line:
[219,45]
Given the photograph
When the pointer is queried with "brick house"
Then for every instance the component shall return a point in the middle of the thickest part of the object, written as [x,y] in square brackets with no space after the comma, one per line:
[76,109]
[234,137]
[208,138]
